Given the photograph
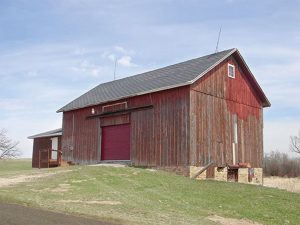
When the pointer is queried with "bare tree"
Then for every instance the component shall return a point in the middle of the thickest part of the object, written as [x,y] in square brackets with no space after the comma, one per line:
[8,148]
[295,144]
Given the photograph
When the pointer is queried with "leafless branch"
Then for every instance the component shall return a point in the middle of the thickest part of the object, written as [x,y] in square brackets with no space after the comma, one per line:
[295,144]
[8,148]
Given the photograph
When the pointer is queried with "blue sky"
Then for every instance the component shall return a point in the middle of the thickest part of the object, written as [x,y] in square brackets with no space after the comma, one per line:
[53,51]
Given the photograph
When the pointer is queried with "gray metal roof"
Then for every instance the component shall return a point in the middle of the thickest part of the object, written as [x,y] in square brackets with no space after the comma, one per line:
[160,79]
[176,75]
[50,133]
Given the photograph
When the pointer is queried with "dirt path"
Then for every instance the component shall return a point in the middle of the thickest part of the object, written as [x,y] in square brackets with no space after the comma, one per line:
[230,221]
[12,214]
[24,178]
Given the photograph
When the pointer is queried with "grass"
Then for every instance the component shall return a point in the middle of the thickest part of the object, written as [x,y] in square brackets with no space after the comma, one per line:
[10,167]
[149,197]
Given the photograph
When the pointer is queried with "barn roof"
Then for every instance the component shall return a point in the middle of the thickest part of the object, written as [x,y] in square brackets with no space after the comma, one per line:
[50,133]
[168,77]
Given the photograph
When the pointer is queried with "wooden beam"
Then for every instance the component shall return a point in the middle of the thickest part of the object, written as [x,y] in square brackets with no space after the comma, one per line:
[202,170]
[120,112]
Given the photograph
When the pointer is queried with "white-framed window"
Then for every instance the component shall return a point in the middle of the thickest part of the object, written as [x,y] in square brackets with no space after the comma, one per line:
[231,71]
[54,147]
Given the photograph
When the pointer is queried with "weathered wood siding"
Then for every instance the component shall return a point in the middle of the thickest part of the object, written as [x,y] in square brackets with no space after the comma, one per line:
[80,135]
[42,144]
[216,100]
[159,136]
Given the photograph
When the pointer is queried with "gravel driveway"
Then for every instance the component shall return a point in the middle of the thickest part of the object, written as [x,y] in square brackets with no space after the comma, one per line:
[12,214]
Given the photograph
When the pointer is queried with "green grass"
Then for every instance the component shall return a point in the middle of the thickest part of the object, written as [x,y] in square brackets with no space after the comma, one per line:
[14,166]
[154,197]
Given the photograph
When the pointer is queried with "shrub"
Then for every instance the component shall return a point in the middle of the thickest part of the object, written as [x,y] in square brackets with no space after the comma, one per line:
[279,164]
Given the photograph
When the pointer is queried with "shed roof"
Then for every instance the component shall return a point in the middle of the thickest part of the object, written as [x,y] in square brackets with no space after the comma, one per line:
[176,75]
[50,133]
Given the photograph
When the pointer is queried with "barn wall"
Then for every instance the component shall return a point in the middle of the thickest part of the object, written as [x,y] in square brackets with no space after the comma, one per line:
[159,136]
[80,135]
[216,100]
[42,144]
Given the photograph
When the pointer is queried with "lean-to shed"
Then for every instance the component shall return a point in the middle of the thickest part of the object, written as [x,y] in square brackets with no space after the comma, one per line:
[46,149]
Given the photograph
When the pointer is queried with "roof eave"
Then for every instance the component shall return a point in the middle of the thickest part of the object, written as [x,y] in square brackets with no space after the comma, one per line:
[42,136]
[265,102]
[130,96]
[50,133]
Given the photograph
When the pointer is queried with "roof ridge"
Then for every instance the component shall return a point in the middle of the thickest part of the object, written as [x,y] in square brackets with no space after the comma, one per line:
[160,68]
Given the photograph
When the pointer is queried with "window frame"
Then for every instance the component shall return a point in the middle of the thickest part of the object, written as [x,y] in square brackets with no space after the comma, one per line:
[228,69]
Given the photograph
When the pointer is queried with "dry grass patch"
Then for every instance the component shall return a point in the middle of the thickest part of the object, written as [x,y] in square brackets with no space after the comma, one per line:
[92,202]
[230,221]
[289,184]
[61,188]
[11,181]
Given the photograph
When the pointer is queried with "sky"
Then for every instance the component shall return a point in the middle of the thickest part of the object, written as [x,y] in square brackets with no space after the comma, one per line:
[53,51]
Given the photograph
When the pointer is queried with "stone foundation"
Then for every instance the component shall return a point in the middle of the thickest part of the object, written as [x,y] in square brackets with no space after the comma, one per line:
[257,177]
[243,175]
[221,173]
[196,169]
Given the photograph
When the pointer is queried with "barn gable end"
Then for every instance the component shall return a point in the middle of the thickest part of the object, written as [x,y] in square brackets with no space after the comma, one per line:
[226,118]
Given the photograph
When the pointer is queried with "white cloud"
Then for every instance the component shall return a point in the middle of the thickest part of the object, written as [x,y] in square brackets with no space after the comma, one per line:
[87,67]
[112,57]
[95,72]
[123,56]
[120,49]
[123,50]
[126,61]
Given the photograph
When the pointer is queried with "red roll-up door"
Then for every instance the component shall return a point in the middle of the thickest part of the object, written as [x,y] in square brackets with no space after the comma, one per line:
[115,142]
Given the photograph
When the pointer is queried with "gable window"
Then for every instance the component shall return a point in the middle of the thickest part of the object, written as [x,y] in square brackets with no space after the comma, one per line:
[231,71]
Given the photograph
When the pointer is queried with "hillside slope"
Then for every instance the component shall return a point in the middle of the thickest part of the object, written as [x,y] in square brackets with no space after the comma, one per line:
[140,196]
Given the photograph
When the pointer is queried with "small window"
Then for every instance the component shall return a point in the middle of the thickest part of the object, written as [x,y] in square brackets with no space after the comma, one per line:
[231,71]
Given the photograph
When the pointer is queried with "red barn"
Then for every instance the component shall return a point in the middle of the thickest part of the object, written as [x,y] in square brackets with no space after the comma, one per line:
[202,114]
